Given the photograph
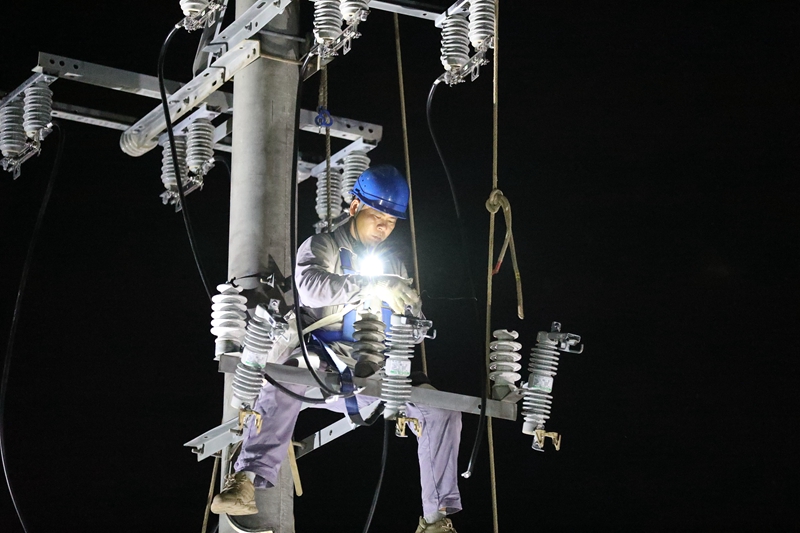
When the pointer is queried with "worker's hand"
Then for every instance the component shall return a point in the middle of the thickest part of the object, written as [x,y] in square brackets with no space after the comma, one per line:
[395,291]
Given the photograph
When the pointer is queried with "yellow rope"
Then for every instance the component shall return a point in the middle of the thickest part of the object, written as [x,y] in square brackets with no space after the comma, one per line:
[490,269]
[408,171]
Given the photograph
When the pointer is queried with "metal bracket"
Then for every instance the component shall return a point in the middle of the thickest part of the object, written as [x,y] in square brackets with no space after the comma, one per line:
[214,440]
[246,25]
[539,437]
[471,68]
[372,387]
[403,10]
[14,164]
[334,431]
[246,413]
[461,6]
[27,83]
[342,128]
[143,136]
[400,426]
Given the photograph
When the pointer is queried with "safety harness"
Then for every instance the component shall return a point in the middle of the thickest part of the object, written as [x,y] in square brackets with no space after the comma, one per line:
[325,337]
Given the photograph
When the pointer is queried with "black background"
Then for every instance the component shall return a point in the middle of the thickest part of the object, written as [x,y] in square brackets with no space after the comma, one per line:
[649,151]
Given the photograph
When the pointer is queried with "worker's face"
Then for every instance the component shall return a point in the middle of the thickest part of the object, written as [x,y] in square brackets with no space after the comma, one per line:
[371,226]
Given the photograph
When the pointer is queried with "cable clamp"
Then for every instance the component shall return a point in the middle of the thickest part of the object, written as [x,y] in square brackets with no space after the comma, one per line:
[323,118]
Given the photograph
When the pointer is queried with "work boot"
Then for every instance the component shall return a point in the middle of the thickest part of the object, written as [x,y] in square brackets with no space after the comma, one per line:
[445,525]
[238,497]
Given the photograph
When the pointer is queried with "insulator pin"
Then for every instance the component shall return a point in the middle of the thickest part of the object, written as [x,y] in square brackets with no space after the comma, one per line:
[481,24]
[396,384]
[200,146]
[369,338]
[12,131]
[258,344]
[258,341]
[455,42]
[350,8]
[503,357]
[355,163]
[543,366]
[327,20]
[168,174]
[192,7]
[247,383]
[38,110]
[228,318]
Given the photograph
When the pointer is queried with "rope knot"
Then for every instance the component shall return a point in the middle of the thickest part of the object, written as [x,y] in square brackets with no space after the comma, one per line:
[495,201]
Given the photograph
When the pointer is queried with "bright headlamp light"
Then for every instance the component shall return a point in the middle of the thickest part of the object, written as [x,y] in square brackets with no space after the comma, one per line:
[371,265]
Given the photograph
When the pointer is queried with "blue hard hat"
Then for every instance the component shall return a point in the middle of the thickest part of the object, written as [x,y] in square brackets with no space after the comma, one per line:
[384,189]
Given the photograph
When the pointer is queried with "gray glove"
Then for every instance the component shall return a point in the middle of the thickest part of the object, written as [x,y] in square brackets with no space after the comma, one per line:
[394,290]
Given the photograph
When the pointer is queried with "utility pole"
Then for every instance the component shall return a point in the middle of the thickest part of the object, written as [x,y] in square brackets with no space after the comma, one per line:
[263,152]
[265,96]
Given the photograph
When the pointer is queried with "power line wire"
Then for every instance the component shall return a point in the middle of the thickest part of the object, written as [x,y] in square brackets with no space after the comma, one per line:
[23,282]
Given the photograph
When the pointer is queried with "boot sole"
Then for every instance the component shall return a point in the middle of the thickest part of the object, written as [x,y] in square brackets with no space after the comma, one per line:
[234,509]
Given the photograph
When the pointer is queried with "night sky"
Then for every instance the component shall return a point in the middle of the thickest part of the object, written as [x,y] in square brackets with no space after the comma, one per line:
[650,154]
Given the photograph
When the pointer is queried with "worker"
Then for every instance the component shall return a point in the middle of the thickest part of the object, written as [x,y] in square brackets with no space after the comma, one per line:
[328,279]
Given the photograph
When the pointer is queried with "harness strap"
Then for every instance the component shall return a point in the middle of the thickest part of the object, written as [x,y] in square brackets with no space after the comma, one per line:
[330,319]
[346,376]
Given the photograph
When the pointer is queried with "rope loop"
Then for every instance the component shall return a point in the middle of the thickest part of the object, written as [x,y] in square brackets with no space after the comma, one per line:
[494,203]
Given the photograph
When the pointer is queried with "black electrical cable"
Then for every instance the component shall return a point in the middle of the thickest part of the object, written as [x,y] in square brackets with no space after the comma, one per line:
[293,394]
[295,226]
[384,454]
[294,230]
[484,386]
[26,267]
[175,166]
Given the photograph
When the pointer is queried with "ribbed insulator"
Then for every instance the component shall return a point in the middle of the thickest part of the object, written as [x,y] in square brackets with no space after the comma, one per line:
[327,20]
[354,164]
[247,383]
[167,169]
[199,145]
[396,385]
[12,132]
[543,365]
[38,109]
[349,8]
[455,42]
[369,335]
[258,340]
[228,318]
[481,23]
[192,7]
[322,196]
[503,366]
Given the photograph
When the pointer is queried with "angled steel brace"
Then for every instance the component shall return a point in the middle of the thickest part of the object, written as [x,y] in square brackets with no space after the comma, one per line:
[143,136]
[118,79]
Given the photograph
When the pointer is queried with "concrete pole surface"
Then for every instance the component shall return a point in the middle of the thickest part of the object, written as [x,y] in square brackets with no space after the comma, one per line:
[265,95]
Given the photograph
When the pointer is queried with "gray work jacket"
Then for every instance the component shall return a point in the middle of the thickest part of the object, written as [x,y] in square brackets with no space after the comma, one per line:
[322,285]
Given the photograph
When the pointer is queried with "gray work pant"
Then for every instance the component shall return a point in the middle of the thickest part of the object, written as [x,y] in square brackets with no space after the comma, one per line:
[437,447]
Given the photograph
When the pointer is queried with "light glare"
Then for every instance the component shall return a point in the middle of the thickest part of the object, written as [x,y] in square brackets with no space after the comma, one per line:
[372,265]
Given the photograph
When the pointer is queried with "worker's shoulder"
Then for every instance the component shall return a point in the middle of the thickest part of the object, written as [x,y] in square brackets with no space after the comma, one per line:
[320,240]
